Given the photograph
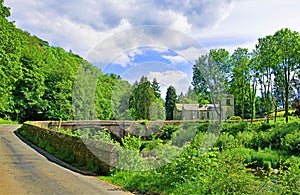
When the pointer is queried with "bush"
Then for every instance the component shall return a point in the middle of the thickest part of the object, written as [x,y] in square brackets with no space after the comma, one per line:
[166,132]
[234,128]
[132,143]
[226,141]
[291,143]
[203,127]
[235,118]
[266,159]
[181,137]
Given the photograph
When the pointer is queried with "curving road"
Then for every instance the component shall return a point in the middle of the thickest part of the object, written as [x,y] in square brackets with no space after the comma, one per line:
[25,171]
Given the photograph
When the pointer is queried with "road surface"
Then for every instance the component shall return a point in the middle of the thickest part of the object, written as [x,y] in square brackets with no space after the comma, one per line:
[25,171]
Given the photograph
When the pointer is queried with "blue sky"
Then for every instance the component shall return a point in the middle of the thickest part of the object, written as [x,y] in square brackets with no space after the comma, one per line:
[181,30]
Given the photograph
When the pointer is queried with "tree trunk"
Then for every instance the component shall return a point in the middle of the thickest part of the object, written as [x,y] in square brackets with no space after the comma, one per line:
[275,117]
[286,95]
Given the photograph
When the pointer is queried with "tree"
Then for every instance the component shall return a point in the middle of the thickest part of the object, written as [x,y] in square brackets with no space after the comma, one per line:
[221,58]
[104,94]
[266,63]
[120,100]
[287,47]
[240,84]
[4,11]
[170,102]
[209,79]
[156,88]
[200,81]
[142,98]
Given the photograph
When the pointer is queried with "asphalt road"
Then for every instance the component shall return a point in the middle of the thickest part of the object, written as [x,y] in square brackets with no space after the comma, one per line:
[25,171]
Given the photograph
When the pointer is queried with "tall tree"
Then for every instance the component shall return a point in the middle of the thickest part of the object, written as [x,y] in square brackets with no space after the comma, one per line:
[170,102]
[156,88]
[265,50]
[287,54]
[142,98]
[254,83]
[200,81]
[121,99]
[221,58]
[240,84]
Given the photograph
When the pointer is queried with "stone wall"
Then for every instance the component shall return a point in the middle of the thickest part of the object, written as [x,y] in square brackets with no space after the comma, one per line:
[84,154]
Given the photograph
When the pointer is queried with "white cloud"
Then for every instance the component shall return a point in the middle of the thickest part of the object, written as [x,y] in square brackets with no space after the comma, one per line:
[176,59]
[175,78]
[80,25]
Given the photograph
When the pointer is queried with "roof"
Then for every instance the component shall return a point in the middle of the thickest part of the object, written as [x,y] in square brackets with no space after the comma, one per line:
[195,107]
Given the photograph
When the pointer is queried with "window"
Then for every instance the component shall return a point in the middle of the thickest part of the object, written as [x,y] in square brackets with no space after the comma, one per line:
[207,115]
[228,102]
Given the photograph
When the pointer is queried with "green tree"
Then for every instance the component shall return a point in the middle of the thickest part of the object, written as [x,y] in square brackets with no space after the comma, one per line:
[240,84]
[170,102]
[200,81]
[121,99]
[84,92]
[60,72]
[104,94]
[4,11]
[221,58]
[156,88]
[287,55]
[265,66]
[142,98]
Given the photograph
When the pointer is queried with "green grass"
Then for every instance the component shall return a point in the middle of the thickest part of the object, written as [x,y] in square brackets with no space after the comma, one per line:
[2,121]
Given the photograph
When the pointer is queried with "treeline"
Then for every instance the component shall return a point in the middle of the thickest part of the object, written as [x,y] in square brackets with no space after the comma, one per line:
[262,81]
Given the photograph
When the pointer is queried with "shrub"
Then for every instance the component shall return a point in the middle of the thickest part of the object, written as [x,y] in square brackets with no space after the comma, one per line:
[291,143]
[203,127]
[226,141]
[166,132]
[245,138]
[132,143]
[234,128]
[235,118]
[266,159]
[183,136]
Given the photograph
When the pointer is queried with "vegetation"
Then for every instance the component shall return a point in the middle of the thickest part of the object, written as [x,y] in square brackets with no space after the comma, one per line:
[2,121]
[170,102]
[256,159]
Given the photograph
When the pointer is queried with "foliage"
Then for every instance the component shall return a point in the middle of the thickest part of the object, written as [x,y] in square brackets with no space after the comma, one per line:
[170,102]
[237,167]
[132,143]
[141,99]
[165,133]
[2,121]
[235,118]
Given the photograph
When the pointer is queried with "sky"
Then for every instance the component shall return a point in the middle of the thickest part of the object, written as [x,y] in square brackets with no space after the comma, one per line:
[157,38]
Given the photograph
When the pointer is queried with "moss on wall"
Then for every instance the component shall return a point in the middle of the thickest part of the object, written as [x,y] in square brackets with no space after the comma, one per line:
[82,154]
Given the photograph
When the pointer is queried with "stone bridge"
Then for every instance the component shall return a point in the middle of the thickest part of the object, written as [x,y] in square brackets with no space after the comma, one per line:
[118,129]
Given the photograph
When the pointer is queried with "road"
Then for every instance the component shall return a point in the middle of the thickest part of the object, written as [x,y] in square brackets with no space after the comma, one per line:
[25,171]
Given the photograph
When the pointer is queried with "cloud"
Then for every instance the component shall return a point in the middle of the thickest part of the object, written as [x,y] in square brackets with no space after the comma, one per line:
[176,59]
[178,79]
[80,25]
